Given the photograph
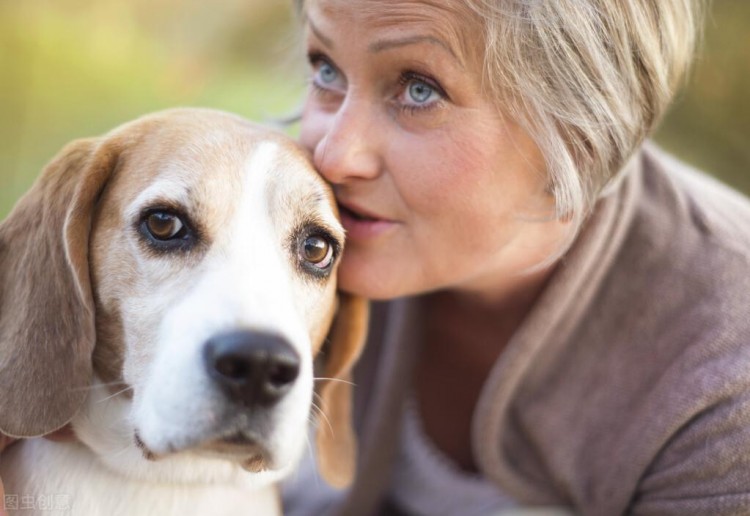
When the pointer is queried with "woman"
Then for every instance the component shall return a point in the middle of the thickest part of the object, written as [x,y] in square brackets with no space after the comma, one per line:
[565,317]
[563,308]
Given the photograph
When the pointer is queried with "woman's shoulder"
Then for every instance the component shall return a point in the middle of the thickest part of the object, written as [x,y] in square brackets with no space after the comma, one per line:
[699,204]
[688,244]
[682,273]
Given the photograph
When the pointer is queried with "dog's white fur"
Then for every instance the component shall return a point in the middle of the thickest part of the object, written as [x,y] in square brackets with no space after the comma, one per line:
[249,190]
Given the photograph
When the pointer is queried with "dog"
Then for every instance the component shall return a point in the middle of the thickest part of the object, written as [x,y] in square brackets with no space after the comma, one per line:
[168,290]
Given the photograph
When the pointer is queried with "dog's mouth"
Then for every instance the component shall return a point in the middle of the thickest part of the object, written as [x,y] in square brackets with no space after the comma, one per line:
[255,457]
[235,447]
[147,453]
[237,439]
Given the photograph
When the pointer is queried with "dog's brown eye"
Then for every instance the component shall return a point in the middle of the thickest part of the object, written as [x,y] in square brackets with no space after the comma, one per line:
[317,251]
[164,226]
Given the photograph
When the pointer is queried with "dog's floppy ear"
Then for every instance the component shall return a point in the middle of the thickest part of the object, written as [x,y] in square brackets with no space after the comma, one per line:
[335,439]
[46,308]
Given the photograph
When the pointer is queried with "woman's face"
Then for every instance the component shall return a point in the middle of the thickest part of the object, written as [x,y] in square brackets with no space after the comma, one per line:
[436,188]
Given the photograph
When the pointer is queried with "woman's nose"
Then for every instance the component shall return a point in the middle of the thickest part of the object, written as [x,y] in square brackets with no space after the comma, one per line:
[348,148]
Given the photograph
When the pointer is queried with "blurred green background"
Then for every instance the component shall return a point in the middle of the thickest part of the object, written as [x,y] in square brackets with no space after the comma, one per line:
[73,68]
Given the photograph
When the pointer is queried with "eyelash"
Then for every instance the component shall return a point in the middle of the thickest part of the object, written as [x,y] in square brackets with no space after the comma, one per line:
[316,59]
[405,78]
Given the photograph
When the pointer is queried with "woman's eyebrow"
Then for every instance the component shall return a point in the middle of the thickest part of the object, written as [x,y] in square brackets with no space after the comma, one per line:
[322,37]
[388,44]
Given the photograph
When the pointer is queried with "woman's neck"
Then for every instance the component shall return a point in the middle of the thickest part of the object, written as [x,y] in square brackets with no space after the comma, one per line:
[463,336]
[478,320]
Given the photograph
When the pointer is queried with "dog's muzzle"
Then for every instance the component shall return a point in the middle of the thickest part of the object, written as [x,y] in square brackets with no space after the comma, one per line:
[252,368]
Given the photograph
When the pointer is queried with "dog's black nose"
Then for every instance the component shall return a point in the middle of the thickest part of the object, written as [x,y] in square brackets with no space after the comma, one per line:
[255,369]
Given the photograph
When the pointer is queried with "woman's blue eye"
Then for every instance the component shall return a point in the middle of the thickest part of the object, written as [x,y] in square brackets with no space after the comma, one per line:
[327,73]
[420,92]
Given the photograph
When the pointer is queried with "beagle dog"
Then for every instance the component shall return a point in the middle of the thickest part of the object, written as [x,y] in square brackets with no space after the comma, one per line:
[168,290]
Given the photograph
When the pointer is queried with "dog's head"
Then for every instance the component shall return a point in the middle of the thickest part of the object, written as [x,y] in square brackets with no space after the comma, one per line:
[168,288]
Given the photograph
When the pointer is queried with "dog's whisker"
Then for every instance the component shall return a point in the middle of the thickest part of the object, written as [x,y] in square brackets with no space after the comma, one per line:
[328,421]
[312,414]
[94,386]
[320,378]
[115,394]
[313,417]
[320,399]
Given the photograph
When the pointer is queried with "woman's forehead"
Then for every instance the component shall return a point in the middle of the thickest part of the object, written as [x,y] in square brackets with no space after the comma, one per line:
[449,21]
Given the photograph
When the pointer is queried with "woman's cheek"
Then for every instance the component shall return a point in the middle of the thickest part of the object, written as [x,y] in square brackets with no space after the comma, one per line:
[454,171]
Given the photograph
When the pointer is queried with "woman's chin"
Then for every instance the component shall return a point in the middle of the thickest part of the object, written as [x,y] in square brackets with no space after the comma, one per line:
[364,278]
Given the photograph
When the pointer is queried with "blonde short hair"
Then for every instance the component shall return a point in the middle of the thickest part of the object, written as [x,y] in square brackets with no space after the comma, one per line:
[587,79]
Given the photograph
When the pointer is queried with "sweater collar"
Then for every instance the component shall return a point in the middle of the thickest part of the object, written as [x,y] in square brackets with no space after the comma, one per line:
[557,312]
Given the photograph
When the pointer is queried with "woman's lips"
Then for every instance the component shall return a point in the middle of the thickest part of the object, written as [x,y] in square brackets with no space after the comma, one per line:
[361,224]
